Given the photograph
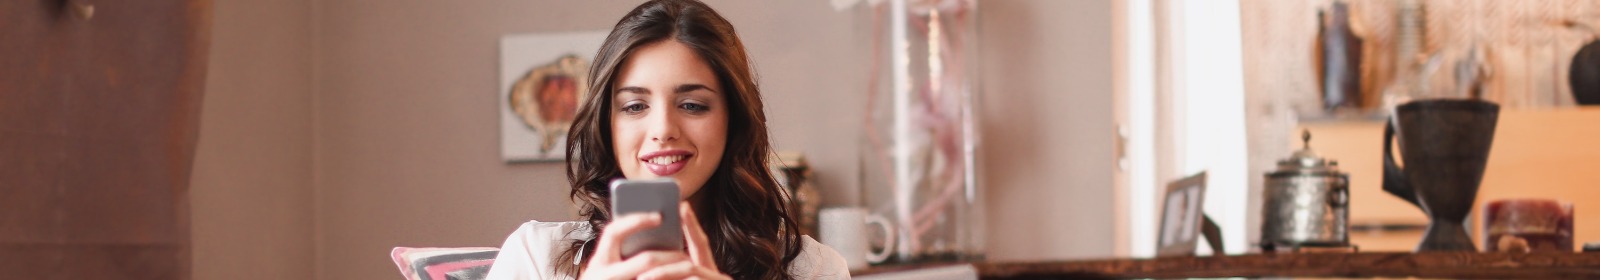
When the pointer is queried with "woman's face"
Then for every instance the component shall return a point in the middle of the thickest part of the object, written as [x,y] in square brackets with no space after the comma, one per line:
[668,116]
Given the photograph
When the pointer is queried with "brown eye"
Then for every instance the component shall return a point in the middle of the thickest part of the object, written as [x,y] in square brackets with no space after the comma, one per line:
[633,108]
[695,107]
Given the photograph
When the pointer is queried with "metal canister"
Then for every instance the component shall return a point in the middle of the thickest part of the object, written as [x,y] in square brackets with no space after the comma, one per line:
[1307,202]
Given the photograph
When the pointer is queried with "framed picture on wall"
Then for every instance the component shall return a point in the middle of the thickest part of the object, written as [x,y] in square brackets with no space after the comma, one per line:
[1181,216]
[542,82]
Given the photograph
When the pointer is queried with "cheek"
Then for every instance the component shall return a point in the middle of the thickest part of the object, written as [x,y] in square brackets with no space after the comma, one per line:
[713,136]
[719,134]
[625,145]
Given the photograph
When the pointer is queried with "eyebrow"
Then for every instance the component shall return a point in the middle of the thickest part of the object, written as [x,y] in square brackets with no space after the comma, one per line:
[680,89]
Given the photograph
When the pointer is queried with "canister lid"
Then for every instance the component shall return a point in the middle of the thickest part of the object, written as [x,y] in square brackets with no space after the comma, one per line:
[1306,160]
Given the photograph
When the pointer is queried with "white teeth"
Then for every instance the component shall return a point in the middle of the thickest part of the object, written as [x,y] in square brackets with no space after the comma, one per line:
[665,160]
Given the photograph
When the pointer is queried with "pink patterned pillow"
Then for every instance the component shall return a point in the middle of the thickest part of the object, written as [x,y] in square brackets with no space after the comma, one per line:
[444,263]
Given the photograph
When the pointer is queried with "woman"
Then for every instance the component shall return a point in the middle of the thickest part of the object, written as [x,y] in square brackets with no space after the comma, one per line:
[671,95]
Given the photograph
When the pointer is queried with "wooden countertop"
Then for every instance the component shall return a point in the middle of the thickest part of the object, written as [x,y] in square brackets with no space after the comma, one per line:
[1369,264]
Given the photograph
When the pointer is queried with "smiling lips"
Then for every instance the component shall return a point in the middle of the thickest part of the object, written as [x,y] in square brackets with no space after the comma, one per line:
[667,162]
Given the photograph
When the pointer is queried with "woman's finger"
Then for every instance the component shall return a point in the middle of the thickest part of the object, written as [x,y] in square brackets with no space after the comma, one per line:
[609,248]
[682,270]
[699,246]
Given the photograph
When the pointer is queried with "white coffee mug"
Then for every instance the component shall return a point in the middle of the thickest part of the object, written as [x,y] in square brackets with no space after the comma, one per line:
[845,229]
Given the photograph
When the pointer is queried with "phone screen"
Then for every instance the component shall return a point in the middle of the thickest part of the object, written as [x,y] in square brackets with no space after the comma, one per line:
[649,196]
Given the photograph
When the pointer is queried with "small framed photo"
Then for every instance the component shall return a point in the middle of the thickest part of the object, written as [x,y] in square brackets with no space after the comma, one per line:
[1181,216]
[543,80]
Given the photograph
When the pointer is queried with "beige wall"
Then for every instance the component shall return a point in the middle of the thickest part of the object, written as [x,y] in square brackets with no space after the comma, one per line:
[407,148]
[1047,129]
[251,188]
[394,140]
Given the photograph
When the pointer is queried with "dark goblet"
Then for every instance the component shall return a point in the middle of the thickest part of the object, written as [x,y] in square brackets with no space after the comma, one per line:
[1445,145]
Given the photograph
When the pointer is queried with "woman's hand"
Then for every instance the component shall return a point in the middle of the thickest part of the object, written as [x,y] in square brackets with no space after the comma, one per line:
[607,262]
[700,264]
[697,263]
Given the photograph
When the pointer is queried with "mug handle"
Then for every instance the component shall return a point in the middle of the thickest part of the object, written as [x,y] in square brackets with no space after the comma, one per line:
[888,243]
[1394,178]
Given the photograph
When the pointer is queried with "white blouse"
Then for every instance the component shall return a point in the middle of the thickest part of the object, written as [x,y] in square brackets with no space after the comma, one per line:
[530,253]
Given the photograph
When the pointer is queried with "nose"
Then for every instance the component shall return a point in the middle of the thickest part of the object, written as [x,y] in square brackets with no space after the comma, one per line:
[663,125]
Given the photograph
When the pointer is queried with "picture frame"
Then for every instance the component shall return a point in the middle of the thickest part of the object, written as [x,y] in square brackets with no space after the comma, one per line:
[543,80]
[1182,216]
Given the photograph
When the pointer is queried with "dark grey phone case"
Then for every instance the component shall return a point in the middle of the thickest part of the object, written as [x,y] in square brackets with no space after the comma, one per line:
[654,195]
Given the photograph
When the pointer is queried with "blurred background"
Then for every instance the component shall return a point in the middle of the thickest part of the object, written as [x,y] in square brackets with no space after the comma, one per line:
[330,131]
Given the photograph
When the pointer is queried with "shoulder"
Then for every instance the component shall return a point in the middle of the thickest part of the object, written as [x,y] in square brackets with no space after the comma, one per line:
[530,252]
[818,261]
[550,232]
[554,229]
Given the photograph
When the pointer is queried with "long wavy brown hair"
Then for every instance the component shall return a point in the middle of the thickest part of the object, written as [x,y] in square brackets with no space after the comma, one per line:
[744,216]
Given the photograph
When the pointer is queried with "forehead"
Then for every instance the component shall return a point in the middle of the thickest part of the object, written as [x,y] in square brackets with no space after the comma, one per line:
[667,63]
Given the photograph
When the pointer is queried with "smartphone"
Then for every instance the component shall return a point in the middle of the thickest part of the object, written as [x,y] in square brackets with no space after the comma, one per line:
[649,196]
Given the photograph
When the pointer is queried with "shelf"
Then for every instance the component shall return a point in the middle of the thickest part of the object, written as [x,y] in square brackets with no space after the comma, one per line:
[1369,116]
[1374,264]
